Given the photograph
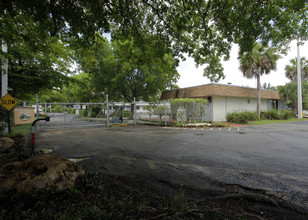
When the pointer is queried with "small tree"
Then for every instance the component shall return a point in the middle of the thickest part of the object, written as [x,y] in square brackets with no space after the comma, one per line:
[150,111]
[187,108]
[159,110]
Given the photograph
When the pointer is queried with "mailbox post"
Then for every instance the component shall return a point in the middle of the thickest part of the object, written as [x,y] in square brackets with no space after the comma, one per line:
[32,128]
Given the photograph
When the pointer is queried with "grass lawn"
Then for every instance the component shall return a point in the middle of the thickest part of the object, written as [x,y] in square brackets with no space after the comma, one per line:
[23,129]
[262,122]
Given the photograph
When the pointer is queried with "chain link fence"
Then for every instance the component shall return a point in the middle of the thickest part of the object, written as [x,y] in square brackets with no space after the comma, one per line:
[164,113]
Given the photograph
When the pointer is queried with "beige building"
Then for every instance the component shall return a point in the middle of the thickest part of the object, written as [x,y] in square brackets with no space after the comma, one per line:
[223,99]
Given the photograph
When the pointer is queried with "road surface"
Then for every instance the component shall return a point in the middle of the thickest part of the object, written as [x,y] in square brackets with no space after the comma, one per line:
[272,159]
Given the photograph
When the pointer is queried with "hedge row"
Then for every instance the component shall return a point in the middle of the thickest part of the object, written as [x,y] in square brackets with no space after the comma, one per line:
[241,117]
[244,117]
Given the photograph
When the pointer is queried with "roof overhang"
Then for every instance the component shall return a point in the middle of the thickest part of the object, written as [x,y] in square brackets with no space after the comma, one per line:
[214,89]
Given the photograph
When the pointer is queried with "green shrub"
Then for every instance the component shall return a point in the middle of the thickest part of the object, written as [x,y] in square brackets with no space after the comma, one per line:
[83,113]
[250,116]
[241,117]
[71,111]
[57,108]
[286,114]
[159,110]
[95,110]
[264,115]
[270,115]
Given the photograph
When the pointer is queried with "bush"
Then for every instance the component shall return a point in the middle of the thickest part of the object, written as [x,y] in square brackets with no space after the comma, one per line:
[71,111]
[286,114]
[83,113]
[250,116]
[241,117]
[270,115]
[95,110]
[244,117]
[57,109]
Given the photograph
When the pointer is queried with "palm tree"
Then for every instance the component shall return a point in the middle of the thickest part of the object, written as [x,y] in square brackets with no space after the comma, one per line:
[291,70]
[259,61]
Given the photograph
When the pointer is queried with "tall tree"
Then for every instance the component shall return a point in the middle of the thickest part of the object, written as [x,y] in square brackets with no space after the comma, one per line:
[291,70]
[81,89]
[257,63]
[204,29]
[36,61]
[129,69]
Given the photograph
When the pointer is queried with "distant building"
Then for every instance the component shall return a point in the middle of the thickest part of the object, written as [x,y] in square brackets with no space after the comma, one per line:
[223,99]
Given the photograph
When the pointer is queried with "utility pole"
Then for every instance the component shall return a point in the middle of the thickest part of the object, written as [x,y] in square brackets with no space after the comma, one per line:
[4,69]
[4,81]
[299,84]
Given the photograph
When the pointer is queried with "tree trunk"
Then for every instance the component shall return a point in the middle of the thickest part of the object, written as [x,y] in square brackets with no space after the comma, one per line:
[259,96]
[294,108]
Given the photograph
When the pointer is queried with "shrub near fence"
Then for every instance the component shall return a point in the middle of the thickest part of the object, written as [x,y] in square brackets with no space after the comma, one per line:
[95,110]
[57,109]
[83,113]
[160,111]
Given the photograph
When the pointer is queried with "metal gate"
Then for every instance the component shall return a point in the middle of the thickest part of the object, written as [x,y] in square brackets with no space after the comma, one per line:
[66,115]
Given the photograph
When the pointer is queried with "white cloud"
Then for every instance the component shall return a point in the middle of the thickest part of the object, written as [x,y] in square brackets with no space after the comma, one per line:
[192,76]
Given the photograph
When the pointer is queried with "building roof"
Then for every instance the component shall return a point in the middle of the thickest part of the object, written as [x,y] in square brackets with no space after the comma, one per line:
[214,89]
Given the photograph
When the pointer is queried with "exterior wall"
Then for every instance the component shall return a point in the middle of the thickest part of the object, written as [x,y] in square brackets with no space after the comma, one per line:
[222,105]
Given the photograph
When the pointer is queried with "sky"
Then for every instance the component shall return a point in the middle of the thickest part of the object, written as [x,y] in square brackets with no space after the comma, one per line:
[192,76]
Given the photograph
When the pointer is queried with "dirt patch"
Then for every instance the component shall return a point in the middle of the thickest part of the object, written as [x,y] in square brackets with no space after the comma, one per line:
[98,196]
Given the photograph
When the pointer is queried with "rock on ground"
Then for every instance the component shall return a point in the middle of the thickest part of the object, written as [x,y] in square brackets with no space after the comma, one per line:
[5,144]
[40,173]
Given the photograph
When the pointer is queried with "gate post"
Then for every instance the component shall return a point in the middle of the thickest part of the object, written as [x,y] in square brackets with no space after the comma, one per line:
[165,113]
[88,108]
[64,114]
[37,112]
[107,106]
[135,114]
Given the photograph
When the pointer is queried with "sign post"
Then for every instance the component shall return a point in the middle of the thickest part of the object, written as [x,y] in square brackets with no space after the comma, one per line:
[8,102]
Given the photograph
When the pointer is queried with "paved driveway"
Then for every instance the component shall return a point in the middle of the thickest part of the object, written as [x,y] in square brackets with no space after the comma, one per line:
[268,158]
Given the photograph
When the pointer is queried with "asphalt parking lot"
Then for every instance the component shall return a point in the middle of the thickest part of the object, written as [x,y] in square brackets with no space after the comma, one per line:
[272,159]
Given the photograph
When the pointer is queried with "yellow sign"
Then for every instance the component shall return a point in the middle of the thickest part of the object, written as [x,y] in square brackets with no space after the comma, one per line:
[8,102]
